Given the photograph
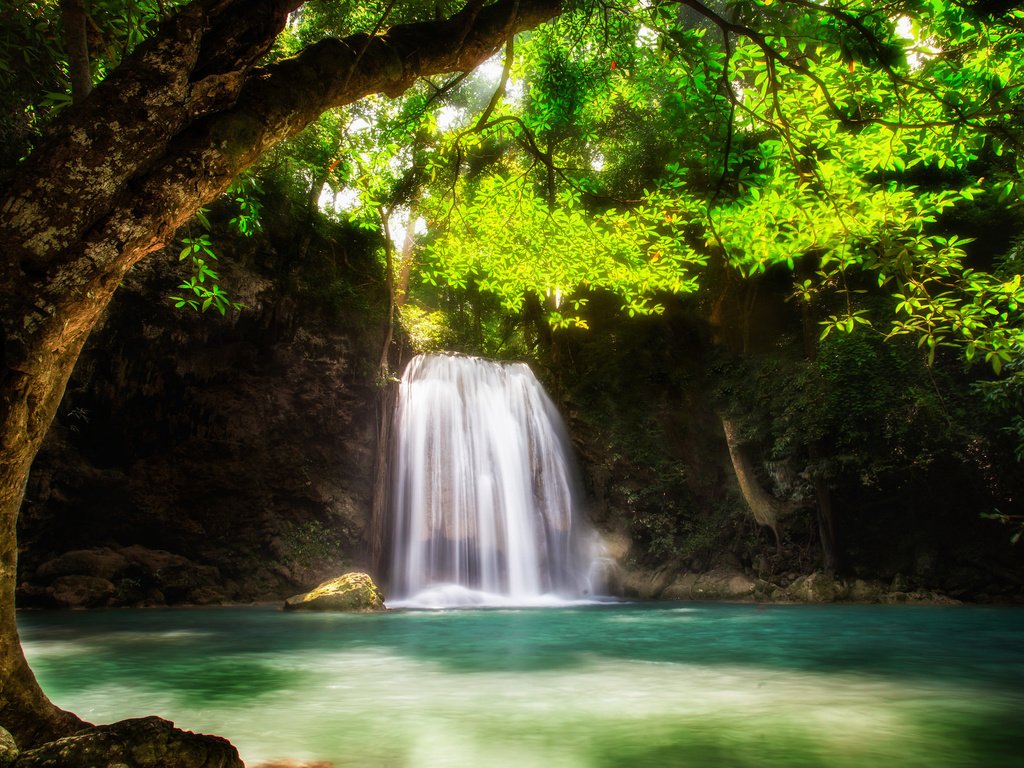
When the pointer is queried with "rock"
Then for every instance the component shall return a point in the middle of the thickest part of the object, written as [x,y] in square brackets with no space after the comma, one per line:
[818,588]
[617,545]
[740,586]
[349,592]
[147,742]
[862,591]
[174,575]
[8,749]
[683,588]
[646,584]
[719,584]
[931,598]
[899,583]
[207,596]
[136,570]
[81,592]
[103,562]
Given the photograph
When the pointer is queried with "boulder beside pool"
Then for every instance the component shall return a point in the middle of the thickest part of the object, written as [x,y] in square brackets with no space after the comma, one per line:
[349,592]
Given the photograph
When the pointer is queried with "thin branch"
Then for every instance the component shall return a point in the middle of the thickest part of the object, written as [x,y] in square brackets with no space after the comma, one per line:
[510,53]
[368,39]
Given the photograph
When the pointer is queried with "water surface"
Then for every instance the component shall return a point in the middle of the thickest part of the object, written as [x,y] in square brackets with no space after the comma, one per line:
[699,685]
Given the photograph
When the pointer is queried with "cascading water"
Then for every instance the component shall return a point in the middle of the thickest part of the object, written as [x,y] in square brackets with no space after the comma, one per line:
[484,500]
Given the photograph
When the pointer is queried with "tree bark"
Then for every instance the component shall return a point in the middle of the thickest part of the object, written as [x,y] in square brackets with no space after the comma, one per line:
[73,18]
[163,135]
[762,505]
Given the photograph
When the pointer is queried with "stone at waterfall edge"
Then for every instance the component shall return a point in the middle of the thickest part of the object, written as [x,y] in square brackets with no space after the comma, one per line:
[353,591]
[147,742]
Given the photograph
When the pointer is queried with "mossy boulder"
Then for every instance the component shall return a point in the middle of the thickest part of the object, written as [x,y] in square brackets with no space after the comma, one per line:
[818,588]
[349,592]
[8,749]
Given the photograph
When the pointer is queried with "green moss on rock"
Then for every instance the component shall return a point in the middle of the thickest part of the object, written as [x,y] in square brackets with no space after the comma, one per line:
[349,592]
[8,749]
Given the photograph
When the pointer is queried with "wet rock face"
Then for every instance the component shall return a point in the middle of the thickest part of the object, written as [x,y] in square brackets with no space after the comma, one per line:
[348,592]
[143,743]
[242,444]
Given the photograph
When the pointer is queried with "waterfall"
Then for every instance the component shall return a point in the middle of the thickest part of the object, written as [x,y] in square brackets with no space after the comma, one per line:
[484,497]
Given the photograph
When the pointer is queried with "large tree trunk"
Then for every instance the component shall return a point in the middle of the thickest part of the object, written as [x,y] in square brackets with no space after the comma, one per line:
[163,135]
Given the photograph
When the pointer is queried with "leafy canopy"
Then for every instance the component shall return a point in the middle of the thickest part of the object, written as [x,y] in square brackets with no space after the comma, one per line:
[631,147]
[634,147]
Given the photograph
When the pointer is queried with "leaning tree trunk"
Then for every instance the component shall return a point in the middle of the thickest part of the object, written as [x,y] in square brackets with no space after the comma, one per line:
[163,135]
[764,507]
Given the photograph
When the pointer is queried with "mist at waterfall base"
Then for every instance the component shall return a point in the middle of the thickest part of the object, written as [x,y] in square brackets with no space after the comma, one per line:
[486,507]
[608,686]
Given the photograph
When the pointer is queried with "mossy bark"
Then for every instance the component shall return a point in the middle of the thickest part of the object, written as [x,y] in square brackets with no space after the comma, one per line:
[163,135]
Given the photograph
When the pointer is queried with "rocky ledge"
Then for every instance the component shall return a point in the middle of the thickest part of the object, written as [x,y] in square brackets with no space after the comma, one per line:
[147,742]
[134,575]
[729,584]
[349,592]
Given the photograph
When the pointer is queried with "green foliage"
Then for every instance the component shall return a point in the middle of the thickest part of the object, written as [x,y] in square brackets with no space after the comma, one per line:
[1015,522]
[202,290]
[34,80]
[642,146]
[311,542]
[426,330]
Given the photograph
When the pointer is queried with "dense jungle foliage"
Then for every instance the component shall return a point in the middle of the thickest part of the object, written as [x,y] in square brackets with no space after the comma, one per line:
[823,197]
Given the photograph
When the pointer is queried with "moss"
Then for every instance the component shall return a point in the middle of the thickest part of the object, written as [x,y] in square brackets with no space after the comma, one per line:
[350,592]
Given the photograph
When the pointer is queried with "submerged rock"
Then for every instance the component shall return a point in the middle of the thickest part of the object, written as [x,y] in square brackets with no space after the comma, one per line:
[147,742]
[349,592]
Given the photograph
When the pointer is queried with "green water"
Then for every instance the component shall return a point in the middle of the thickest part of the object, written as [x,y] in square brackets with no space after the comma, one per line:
[700,685]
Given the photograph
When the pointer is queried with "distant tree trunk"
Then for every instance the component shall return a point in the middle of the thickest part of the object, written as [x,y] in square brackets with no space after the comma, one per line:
[385,403]
[163,135]
[380,519]
[379,531]
[76,41]
[762,505]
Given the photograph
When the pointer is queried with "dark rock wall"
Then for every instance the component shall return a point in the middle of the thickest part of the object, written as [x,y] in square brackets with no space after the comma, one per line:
[200,458]
[910,475]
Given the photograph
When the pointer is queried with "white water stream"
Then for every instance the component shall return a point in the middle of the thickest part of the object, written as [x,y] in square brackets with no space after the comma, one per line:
[485,505]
